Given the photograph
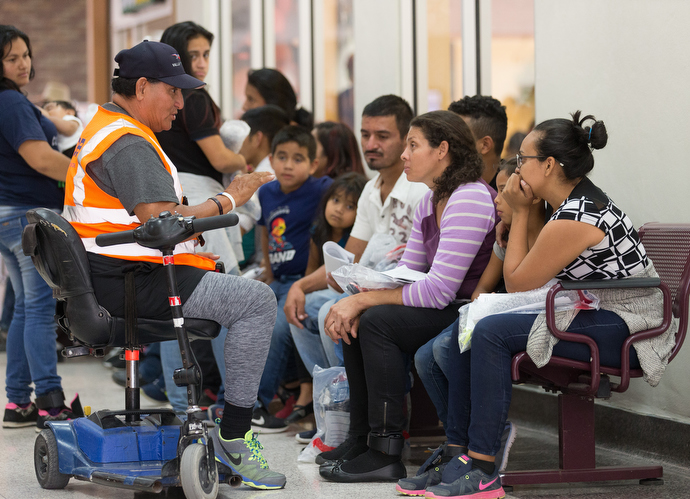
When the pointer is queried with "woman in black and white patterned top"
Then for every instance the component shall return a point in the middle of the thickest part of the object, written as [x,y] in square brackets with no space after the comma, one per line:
[619,254]
[587,236]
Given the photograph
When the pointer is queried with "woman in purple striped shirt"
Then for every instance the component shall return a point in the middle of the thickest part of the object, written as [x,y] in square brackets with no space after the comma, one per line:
[451,240]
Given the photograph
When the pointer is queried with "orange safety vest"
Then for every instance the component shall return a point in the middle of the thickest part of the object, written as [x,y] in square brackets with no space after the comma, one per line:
[91,211]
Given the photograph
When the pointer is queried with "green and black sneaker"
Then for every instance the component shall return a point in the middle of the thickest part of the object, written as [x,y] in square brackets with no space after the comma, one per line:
[243,456]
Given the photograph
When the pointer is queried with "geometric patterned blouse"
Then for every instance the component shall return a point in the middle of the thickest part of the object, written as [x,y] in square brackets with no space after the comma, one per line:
[620,254]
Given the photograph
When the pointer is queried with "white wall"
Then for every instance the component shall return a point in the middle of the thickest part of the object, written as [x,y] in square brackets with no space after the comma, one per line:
[378,67]
[626,62]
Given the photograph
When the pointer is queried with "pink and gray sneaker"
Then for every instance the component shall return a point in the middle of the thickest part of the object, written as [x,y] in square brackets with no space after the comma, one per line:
[19,416]
[461,481]
[62,413]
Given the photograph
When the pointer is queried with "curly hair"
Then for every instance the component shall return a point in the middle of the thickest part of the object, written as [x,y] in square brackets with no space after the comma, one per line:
[487,115]
[465,163]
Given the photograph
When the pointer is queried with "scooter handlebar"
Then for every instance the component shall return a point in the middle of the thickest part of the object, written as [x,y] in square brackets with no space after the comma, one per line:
[167,230]
[115,238]
[210,223]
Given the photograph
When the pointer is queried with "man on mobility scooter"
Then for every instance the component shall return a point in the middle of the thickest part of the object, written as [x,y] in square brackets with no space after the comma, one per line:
[118,179]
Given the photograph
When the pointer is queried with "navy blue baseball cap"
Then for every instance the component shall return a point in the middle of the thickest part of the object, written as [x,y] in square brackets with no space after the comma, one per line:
[154,60]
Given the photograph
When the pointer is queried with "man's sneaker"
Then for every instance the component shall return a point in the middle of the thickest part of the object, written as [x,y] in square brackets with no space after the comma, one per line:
[474,484]
[19,416]
[59,413]
[264,422]
[305,436]
[507,439]
[243,456]
[428,474]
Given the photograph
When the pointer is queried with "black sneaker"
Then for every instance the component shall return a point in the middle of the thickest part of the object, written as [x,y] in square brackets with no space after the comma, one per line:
[305,436]
[59,413]
[263,422]
[471,483]
[17,416]
[429,474]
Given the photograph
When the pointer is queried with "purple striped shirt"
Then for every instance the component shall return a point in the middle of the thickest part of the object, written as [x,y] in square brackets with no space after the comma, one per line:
[466,232]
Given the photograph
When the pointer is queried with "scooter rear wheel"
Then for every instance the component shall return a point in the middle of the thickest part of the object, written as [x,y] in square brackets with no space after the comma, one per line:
[199,477]
[46,463]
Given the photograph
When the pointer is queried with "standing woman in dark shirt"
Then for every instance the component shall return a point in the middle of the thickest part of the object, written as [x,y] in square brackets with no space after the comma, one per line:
[30,168]
[194,144]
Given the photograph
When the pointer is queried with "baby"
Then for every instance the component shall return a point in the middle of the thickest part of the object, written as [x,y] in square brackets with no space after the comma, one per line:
[69,127]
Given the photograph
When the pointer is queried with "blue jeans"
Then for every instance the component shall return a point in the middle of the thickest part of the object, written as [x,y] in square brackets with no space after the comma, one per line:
[308,340]
[281,344]
[431,362]
[480,393]
[171,359]
[31,356]
[7,306]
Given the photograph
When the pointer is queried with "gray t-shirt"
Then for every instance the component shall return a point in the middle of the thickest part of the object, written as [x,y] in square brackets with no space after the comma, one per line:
[132,171]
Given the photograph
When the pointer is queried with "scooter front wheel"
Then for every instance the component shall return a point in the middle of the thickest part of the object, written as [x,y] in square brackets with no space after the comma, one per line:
[46,463]
[199,477]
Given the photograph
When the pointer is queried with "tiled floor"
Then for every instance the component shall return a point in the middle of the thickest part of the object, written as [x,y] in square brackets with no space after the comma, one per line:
[92,380]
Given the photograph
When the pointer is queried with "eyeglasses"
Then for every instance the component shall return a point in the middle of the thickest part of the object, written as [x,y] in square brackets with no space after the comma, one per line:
[520,159]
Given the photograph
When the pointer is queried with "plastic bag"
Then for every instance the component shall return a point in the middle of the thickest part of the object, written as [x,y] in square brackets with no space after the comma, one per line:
[354,278]
[383,252]
[524,302]
[233,133]
[331,411]
[390,261]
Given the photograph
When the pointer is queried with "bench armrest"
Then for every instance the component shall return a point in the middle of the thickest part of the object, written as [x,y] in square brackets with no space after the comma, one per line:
[651,282]
[633,282]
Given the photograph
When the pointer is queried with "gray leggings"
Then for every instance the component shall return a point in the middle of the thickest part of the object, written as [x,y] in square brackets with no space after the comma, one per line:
[248,309]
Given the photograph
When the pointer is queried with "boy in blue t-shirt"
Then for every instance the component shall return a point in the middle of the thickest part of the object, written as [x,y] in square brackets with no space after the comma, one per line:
[288,209]
[289,203]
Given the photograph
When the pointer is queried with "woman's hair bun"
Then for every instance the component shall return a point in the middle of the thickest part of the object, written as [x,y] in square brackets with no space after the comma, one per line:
[303,118]
[593,134]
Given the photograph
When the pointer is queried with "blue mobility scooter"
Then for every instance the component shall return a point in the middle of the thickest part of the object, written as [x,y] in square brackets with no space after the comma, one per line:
[137,449]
